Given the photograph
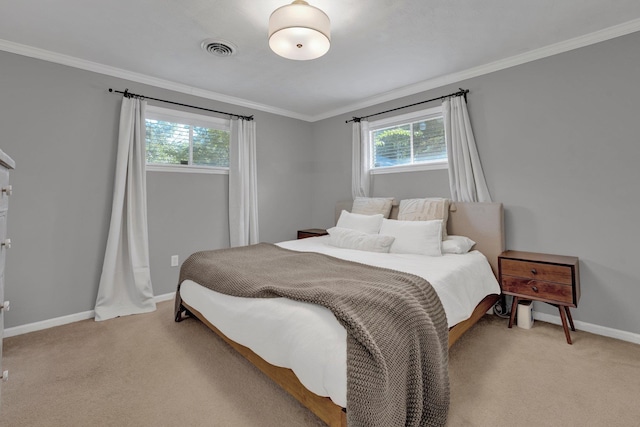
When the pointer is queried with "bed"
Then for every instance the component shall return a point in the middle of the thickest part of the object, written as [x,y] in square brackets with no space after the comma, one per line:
[313,370]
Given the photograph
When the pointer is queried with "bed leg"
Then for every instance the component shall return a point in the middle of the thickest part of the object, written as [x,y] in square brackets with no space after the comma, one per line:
[182,314]
[343,418]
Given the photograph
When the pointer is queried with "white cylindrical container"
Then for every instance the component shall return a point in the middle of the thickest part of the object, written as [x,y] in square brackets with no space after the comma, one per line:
[525,314]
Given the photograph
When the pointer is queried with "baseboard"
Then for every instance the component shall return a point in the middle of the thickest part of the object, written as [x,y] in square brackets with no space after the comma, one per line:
[46,324]
[59,321]
[590,327]
[164,297]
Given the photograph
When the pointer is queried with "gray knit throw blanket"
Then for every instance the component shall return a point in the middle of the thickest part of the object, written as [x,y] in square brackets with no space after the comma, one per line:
[397,335]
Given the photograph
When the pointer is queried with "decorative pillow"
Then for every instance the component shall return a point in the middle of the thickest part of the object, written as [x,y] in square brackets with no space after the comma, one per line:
[425,210]
[414,237]
[457,245]
[372,206]
[352,239]
[369,224]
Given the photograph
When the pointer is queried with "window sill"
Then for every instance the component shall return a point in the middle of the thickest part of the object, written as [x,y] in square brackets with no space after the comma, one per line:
[187,169]
[410,168]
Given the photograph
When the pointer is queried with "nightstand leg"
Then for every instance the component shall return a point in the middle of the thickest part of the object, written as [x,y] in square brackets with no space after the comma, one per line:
[514,307]
[564,324]
[566,308]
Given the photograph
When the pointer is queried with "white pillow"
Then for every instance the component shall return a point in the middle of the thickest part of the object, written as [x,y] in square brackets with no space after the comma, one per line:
[457,245]
[414,237]
[352,239]
[369,224]
[372,206]
[425,210]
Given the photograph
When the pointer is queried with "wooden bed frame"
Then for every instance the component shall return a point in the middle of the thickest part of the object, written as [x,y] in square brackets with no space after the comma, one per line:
[481,222]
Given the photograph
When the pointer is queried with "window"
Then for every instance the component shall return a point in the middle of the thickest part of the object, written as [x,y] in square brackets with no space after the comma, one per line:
[412,141]
[186,142]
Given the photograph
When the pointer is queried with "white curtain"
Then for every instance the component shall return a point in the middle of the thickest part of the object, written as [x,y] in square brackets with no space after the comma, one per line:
[466,179]
[360,159]
[243,184]
[125,284]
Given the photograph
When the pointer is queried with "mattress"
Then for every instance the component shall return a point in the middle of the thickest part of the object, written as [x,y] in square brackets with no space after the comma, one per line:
[307,338]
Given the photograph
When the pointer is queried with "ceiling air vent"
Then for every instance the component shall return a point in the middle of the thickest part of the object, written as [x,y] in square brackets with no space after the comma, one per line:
[219,47]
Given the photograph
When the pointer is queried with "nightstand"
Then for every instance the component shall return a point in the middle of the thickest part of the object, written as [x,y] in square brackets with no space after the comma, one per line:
[311,232]
[553,279]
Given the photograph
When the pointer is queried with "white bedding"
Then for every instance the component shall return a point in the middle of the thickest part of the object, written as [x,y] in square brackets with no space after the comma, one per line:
[307,338]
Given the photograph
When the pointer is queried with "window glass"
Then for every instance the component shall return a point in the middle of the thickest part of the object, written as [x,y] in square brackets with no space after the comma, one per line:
[167,143]
[409,141]
[176,139]
[428,140]
[210,147]
[392,146]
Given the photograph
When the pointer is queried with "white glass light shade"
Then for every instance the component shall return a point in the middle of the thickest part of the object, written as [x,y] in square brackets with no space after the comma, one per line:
[299,31]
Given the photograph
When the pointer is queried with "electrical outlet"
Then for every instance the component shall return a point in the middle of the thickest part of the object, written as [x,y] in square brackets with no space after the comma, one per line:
[174,260]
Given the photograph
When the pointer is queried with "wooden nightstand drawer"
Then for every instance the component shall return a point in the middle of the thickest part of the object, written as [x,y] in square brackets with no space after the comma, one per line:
[311,232]
[536,289]
[553,279]
[539,271]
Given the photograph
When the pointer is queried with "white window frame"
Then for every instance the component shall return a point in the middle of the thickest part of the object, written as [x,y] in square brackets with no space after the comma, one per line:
[192,119]
[430,113]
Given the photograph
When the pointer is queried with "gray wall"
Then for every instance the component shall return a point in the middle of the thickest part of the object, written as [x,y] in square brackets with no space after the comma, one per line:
[559,143]
[60,125]
[558,139]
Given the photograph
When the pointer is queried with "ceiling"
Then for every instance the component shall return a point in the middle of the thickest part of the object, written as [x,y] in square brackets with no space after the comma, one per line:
[381,49]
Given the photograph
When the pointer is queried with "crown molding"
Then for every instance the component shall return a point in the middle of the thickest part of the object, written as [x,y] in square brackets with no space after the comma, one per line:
[554,49]
[533,55]
[71,61]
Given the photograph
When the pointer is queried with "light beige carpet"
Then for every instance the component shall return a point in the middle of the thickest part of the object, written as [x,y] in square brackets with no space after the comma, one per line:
[147,370]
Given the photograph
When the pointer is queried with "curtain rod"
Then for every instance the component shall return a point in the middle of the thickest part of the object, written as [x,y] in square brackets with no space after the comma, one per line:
[461,92]
[128,94]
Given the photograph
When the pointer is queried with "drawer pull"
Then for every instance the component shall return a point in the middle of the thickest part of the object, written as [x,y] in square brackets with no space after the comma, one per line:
[6,243]
[6,306]
[534,271]
[8,190]
[534,288]
[5,376]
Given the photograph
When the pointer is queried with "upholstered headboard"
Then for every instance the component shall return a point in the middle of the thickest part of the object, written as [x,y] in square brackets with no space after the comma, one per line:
[481,222]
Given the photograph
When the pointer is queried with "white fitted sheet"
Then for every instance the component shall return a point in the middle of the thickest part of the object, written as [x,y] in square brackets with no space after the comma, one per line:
[307,338]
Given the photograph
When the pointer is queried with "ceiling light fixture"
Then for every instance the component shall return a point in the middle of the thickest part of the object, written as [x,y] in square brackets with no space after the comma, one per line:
[299,31]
